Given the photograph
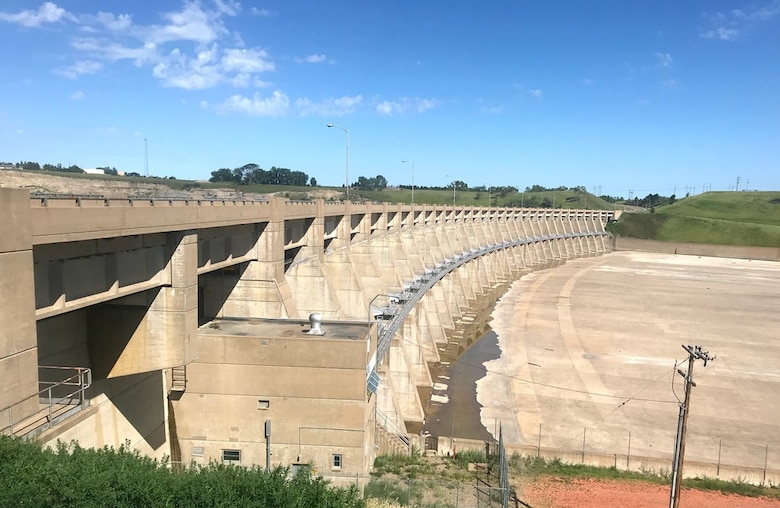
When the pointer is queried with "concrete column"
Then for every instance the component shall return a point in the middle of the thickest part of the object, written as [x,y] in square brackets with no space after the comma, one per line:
[18,339]
[261,289]
[127,339]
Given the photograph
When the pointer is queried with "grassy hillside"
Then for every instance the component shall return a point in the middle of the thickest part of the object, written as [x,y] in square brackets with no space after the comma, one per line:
[724,218]
[546,199]
[558,199]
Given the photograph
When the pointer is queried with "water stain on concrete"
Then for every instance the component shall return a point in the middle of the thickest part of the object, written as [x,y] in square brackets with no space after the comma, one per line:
[453,410]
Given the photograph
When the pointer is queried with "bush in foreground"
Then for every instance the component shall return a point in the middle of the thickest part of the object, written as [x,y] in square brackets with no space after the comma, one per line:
[73,476]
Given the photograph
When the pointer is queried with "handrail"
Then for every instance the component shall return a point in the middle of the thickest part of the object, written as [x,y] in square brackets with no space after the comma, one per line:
[57,407]
[413,291]
[391,427]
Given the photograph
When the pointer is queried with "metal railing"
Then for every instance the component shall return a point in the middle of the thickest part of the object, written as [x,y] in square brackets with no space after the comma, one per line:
[58,399]
[384,421]
[403,303]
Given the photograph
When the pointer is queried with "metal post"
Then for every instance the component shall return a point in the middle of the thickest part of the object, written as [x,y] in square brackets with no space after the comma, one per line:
[584,430]
[48,423]
[346,132]
[766,459]
[268,445]
[628,456]
[539,442]
[720,447]
[694,352]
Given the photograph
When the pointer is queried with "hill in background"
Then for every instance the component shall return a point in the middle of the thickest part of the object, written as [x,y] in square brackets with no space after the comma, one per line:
[723,218]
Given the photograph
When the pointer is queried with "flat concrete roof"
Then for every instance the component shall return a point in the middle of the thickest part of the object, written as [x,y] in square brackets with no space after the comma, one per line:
[284,328]
[589,352]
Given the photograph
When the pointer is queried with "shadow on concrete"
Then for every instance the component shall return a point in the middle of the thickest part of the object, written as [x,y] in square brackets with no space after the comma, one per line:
[214,289]
[111,325]
[140,400]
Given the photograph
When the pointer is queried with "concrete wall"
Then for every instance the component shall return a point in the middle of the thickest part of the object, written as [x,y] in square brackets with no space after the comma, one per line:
[120,286]
[313,390]
[697,249]
[129,410]
[18,343]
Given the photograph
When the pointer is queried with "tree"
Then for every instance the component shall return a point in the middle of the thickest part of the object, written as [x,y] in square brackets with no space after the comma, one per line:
[378,182]
[222,175]
[313,182]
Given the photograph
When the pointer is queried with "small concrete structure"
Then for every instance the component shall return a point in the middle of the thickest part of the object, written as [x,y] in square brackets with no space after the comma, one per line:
[311,387]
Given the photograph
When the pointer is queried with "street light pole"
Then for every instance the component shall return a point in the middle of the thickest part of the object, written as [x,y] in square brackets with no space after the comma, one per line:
[346,131]
[453,189]
[412,181]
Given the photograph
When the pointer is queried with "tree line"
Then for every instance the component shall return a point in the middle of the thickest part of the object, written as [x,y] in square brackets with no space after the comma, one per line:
[34,166]
[253,174]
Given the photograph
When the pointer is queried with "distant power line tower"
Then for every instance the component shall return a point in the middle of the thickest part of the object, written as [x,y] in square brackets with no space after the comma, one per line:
[694,353]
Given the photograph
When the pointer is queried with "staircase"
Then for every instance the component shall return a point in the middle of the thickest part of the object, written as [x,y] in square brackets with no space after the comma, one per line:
[179,379]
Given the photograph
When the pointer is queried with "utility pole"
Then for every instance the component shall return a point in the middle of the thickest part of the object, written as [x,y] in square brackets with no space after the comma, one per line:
[146,157]
[737,184]
[694,353]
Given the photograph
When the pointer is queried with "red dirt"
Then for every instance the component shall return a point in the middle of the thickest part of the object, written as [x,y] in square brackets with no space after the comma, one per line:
[580,493]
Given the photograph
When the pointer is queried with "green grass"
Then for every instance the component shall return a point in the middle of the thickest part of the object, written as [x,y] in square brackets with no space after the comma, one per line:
[536,467]
[721,218]
[750,207]
[403,468]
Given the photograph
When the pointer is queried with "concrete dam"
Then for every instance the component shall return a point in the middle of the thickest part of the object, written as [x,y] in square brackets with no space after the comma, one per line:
[251,332]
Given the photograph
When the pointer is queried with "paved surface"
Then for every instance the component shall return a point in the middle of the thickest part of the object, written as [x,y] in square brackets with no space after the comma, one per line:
[589,351]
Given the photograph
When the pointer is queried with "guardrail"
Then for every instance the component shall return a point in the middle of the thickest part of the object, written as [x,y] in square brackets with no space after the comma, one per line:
[403,303]
[59,399]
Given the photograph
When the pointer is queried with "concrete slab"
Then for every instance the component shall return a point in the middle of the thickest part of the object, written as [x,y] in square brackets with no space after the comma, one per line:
[589,350]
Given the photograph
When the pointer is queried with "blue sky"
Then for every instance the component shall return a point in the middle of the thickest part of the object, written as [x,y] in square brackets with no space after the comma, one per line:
[618,96]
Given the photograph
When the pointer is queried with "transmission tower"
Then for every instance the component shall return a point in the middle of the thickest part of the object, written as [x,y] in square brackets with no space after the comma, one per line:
[694,353]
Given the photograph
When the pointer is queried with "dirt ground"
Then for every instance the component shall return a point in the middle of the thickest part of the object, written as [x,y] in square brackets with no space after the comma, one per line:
[45,183]
[580,493]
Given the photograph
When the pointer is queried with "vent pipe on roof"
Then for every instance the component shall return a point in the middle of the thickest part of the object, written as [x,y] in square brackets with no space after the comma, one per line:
[315,319]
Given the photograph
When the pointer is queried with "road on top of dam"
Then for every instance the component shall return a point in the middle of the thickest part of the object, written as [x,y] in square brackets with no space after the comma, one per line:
[589,351]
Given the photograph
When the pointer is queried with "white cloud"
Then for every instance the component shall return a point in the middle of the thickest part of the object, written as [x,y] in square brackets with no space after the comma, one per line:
[228,7]
[721,33]
[276,105]
[423,105]
[264,13]
[77,96]
[664,59]
[190,24]
[535,93]
[384,108]
[115,23]
[328,107]
[79,68]
[46,13]
[587,81]
[406,104]
[728,26]
[182,71]
[162,47]
[670,83]
[246,60]
[311,59]
[113,51]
